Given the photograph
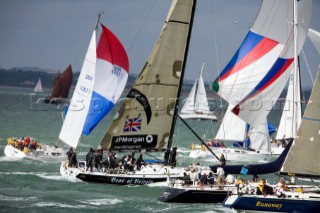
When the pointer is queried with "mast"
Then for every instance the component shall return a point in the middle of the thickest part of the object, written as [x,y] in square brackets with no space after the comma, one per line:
[295,58]
[99,15]
[176,107]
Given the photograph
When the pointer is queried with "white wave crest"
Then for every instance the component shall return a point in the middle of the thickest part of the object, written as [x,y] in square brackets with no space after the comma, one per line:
[60,205]
[98,202]
[8,198]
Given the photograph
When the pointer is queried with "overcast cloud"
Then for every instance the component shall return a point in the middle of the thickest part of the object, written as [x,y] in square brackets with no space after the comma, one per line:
[51,34]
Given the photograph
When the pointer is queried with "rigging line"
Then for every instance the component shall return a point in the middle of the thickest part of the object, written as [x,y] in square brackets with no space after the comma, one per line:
[216,48]
[199,138]
[140,28]
[152,156]
[197,34]
[215,39]
[307,64]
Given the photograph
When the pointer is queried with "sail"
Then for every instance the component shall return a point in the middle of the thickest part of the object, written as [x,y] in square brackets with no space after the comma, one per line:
[145,120]
[111,75]
[291,113]
[189,105]
[255,107]
[256,55]
[38,87]
[304,156]
[62,85]
[232,127]
[196,105]
[258,52]
[78,109]
[315,38]
[201,101]
[260,137]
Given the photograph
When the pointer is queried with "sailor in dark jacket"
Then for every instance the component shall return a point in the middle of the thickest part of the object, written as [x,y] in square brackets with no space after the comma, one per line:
[173,154]
[89,159]
[166,156]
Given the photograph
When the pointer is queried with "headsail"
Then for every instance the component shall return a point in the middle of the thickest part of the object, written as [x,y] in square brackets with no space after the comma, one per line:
[38,87]
[291,113]
[258,103]
[61,86]
[304,156]
[256,55]
[146,118]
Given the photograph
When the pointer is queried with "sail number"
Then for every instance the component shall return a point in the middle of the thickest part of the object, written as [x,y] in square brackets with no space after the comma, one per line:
[85,89]
[116,70]
[89,77]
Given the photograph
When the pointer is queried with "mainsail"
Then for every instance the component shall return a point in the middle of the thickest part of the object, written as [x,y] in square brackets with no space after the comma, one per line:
[256,55]
[38,87]
[146,118]
[196,104]
[303,158]
[61,86]
[102,79]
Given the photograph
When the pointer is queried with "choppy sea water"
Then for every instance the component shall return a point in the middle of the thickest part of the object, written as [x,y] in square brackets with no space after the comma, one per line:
[30,185]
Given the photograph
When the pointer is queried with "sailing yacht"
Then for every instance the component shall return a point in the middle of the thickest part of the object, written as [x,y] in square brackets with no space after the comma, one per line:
[259,51]
[196,105]
[31,148]
[61,87]
[38,87]
[189,193]
[142,125]
[301,161]
[291,115]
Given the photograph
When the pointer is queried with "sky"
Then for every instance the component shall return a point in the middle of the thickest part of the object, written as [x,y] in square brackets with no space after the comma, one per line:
[51,34]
